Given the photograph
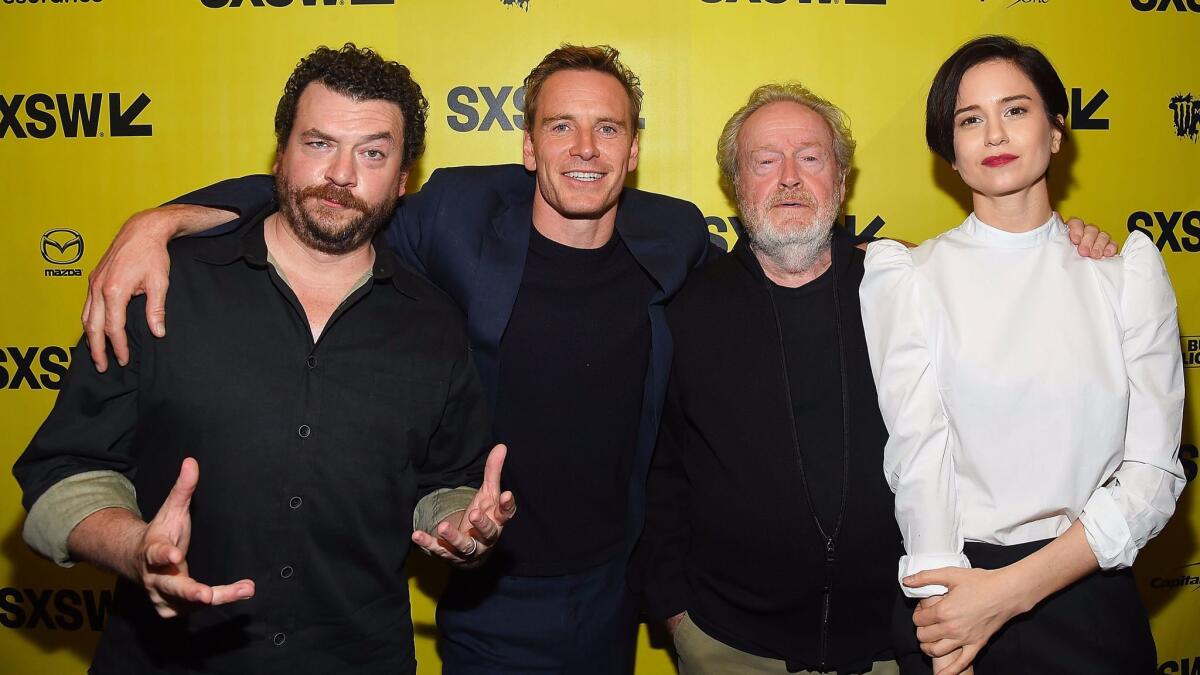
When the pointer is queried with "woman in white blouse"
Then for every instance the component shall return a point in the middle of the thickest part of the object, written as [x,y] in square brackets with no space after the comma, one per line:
[1034,398]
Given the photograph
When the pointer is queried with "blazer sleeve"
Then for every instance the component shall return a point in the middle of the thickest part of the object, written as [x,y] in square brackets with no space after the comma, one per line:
[1134,505]
[246,196]
[918,457]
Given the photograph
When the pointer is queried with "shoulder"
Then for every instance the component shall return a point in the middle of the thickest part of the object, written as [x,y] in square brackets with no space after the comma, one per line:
[496,179]
[670,221]
[718,281]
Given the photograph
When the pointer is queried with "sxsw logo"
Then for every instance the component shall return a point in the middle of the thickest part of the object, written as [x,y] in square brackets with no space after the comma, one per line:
[54,609]
[221,4]
[1084,115]
[485,108]
[724,232]
[803,2]
[1184,666]
[1162,227]
[33,367]
[1164,5]
[50,2]
[72,115]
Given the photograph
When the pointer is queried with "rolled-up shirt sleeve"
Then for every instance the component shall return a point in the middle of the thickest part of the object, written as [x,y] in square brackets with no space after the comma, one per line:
[918,457]
[1132,506]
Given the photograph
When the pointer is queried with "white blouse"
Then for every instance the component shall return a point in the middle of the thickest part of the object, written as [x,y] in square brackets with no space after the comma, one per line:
[1024,387]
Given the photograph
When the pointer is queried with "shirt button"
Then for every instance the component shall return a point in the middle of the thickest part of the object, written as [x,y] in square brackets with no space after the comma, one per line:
[295,502]
[286,572]
[311,362]
[304,431]
[279,639]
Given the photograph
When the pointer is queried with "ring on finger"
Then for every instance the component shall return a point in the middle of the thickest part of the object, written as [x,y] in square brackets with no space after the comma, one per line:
[474,548]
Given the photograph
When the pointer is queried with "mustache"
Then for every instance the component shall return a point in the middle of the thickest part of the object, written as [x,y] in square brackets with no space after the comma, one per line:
[797,196]
[334,194]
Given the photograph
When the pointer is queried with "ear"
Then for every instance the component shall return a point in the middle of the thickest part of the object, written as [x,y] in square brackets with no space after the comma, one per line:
[403,184]
[633,154]
[1056,135]
[529,159]
[842,188]
[278,159]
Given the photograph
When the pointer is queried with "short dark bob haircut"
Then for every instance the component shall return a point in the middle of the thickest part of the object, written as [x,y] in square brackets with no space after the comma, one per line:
[361,75]
[943,93]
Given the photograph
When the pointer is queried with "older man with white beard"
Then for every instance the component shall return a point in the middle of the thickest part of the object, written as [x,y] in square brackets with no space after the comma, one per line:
[770,532]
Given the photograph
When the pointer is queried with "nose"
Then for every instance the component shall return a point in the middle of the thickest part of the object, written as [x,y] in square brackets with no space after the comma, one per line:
[789,175]
[995,133]
[341,170]
[585,146]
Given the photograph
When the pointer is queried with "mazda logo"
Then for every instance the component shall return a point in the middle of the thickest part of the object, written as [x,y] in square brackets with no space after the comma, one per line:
[61,246]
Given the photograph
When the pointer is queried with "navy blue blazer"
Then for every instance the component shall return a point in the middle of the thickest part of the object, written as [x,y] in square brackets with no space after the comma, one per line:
[468,229]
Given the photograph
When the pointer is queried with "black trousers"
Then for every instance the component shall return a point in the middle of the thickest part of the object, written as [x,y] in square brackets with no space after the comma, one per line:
[1096,626]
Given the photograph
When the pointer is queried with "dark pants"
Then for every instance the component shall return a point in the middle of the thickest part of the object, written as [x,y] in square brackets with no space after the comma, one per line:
[577,624]
[1096,626]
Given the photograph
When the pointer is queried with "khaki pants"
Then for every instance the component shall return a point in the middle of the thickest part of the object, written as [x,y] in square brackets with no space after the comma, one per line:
[700,654]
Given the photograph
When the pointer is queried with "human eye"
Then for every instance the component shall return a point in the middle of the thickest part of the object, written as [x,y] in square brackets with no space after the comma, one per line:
[374,153]
[318,144]
[969,120]
[1016,111]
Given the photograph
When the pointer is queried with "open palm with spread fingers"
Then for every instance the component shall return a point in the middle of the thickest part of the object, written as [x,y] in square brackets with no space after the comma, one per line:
[466,537]
[160,560]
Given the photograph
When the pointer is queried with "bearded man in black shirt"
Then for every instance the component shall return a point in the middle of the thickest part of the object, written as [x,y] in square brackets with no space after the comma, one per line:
[328,392]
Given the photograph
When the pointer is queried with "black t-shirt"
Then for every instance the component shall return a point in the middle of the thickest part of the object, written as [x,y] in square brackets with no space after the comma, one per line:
[810,343]
[573,364]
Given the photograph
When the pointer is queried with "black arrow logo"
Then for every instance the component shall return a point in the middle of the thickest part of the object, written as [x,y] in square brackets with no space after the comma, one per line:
[121,122]
[1081,115]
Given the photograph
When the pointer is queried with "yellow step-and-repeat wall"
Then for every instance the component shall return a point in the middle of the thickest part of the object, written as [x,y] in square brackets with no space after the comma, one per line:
[109,106]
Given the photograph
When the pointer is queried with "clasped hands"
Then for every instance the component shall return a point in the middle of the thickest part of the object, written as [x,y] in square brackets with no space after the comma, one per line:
[954,627]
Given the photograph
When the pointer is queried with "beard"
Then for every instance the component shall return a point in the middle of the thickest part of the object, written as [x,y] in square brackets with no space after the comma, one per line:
[323,232]
[793,248]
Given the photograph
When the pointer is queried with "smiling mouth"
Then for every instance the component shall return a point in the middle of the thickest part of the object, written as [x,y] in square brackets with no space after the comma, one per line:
[585,176]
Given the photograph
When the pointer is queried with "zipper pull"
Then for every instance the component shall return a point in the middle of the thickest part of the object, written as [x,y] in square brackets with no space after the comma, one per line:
[829,550]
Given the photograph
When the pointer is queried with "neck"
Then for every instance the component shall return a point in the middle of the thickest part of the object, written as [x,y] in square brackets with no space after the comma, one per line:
[303,265]
[789,278]
[573,232]
[1020,211]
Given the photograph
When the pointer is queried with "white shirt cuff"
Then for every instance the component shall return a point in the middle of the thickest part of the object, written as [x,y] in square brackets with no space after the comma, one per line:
[911,564]
[1107,532]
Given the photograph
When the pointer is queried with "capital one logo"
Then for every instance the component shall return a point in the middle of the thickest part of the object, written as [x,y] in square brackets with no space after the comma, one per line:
[1164,5]
[487,108]
[221,4]
[74,115]
[62,246]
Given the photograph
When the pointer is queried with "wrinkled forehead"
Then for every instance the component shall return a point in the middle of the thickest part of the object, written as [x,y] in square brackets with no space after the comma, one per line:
[784,126]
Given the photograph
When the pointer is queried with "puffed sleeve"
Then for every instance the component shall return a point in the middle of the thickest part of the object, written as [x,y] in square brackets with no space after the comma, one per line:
[1134,505]
[918,458]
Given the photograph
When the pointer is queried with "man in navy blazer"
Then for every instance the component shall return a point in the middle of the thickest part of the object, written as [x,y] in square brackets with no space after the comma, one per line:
[563,274]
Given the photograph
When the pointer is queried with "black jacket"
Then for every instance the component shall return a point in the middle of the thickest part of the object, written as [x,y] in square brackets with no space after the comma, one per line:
[729,535]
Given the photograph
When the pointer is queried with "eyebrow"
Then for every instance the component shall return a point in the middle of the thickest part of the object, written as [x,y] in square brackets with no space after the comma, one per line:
[317,133]
[567,116]
[1006,99]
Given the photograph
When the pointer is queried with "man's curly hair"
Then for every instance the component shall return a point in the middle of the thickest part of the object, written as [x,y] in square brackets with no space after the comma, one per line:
[362,75]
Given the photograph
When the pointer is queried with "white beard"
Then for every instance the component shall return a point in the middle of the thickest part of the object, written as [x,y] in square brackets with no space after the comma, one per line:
[793,250]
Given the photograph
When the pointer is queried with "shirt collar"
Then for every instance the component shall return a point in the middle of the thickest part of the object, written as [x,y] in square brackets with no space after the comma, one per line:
[248,243]
[993,236]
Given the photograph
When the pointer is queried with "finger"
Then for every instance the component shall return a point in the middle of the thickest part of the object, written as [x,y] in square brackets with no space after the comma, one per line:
[238,590]
[93,328]
[492,468]
[1110,250]
[1074,228]
[178,587]
[959,664]
[156,307]
[931,633]
[1103,241]
[163,554]
[180,497]
[115,300]
[939,648]
[944,576]
[507,508]
[487,529]
[431,546]
[456,542]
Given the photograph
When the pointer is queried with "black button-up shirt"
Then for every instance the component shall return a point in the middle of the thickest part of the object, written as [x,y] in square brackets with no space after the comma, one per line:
[312,457]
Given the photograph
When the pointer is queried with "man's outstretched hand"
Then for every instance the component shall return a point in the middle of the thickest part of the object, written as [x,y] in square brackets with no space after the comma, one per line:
[466,537]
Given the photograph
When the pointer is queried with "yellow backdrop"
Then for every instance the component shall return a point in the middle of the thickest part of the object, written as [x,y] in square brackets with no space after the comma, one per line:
[108,106]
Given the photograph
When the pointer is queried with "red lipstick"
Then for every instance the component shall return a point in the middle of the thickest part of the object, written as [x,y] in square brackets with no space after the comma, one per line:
[998,160]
